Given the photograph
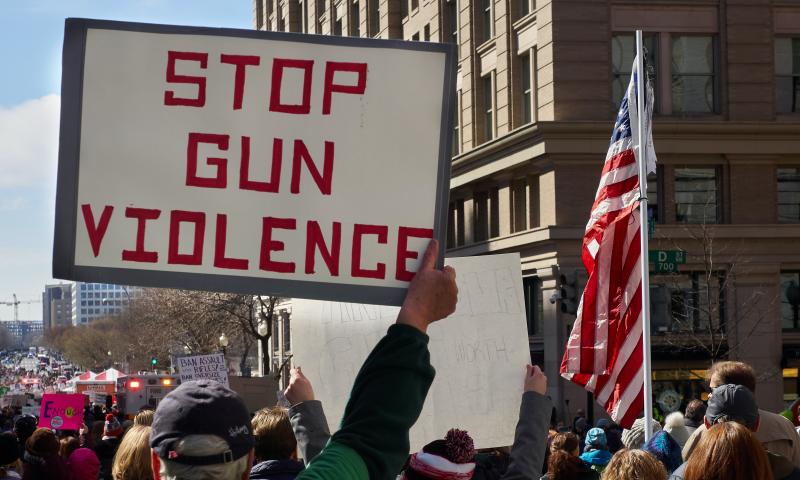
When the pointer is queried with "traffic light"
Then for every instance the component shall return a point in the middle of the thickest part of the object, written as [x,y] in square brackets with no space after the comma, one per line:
[569,292]
[154,361]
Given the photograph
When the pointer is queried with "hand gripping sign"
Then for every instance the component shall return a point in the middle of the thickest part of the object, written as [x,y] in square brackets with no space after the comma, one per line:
[61,411]
[252,162]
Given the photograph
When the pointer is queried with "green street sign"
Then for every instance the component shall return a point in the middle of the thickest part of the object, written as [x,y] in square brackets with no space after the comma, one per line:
[667,261]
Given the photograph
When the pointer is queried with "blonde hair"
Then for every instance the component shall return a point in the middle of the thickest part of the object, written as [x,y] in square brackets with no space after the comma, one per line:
[199,445]
[273,434]
[145,417]
[132,460]
[629,464]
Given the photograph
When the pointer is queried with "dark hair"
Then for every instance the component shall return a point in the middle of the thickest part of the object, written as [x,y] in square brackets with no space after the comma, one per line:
[68,445]
[562,465]
[732,451]
[695,411]
[737,373]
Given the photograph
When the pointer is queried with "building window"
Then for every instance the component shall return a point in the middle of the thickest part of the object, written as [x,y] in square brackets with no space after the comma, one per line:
[488,106]
[374,17]
[414,5]
[788,195]
[415,37]
[287,337]
[790,300]
[279,15]
[652,197]
[260,15]
[457,125]
[275,333]
[337,27]
[693,80]
[487,20]
[480,223]
[355,19]
[691,302]
[426,33]
[525,7]
[526,86]
[494,212]
[451,21]
[302,7]
[519,203]
[623,50]
[403,8]
[787,75]
[696,195]
[455,224]
[532,289]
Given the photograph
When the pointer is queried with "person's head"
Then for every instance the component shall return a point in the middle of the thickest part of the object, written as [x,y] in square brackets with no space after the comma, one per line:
[273,434]
[454,456]
[665,449]
[675,426]
[633,438]
[596,439]
[132,460]
[84,465]
[630,464]
[736,373]
[9,453]
[695,411]
[43,443]
[732,403]
[145,417]
[201,430]
[563,461]
[68,445]
[24,427]
[112,427]
[728,451]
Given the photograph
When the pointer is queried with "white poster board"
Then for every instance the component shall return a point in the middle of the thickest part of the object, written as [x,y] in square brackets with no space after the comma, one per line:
[479,352]
[197,367]
[249,161]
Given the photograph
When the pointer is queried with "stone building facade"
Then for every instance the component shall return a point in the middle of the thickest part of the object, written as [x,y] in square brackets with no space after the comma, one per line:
[538,87]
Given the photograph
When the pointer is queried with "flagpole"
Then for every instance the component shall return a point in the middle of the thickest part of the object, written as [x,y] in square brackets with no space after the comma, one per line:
[641,140]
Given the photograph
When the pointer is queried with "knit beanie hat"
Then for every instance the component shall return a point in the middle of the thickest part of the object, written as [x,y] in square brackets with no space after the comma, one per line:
[112,428]
[665,449]
[675,425]
[633,438]
[84,464]
[596,438]
[448,459]
[43,443]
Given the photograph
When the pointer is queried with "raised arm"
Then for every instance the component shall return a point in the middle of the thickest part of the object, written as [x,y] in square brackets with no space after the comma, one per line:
[307,416]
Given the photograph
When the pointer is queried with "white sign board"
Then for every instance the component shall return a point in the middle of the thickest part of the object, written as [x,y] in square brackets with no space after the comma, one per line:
[249,161]
[479,352]
[210,366]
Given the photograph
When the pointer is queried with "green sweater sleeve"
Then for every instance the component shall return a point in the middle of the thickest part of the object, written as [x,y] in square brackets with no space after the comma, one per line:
[336,462]
[386,400]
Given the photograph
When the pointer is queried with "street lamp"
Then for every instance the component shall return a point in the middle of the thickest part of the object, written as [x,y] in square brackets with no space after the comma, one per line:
[223,342]
[187,350]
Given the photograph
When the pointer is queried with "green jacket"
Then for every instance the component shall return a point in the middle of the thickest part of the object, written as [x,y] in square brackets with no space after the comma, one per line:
[386,399]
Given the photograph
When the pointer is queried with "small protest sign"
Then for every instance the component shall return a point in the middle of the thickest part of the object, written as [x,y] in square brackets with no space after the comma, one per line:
[479,352]
[247,161]
[61,411]
[203,366]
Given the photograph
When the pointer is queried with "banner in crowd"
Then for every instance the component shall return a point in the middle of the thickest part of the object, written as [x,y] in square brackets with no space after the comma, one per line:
[248,161]
[61,411]
[480,352]
[210,366]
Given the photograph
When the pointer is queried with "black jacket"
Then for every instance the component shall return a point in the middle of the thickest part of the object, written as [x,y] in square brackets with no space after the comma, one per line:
[276,470]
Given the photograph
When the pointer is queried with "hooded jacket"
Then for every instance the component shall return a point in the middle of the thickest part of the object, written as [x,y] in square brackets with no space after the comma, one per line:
[596,459]
[276,470]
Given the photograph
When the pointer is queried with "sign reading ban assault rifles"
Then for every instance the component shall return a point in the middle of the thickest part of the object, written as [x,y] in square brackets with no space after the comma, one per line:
[251,162]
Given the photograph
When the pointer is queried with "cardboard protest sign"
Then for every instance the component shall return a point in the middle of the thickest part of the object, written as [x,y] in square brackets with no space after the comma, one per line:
[249,161]
[61,411]
[479,352]
[210,366]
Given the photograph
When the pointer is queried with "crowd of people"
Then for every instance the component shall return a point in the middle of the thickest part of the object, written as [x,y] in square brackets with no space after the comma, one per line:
[203,430]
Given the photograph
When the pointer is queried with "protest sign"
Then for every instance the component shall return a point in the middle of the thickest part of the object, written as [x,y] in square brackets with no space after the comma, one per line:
[61,411]
[251,162]
[210,366]
[479,352]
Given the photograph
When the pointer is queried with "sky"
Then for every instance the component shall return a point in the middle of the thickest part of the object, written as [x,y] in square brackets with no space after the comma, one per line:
[31,35]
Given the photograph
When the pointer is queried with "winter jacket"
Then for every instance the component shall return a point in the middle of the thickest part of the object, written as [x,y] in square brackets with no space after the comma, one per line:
[596,459]
[105,450]
[44,468]
[310,428]
[276,470]
[775,433]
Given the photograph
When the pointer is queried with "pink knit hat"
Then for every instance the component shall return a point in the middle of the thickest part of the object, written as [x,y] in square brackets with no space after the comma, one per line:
[84,464]
[448,459]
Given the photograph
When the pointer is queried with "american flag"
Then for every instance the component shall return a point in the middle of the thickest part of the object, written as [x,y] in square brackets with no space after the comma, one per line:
[604,350]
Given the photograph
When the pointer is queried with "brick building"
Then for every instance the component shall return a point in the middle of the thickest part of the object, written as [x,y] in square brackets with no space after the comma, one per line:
[537,91]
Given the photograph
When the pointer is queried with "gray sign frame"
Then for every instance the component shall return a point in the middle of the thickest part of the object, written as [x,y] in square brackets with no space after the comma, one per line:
[66,208]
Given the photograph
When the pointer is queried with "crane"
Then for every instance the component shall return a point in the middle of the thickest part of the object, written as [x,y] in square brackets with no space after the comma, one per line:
[15,303]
